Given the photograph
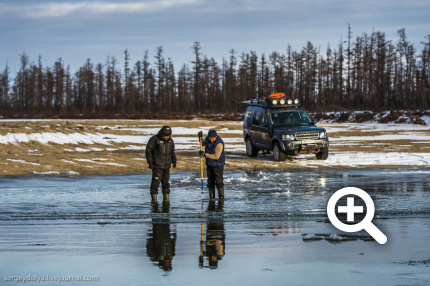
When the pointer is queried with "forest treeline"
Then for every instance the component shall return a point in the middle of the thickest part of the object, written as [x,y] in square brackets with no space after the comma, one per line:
[365,73]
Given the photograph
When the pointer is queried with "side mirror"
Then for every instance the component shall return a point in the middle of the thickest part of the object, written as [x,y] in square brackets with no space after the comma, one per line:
[315,121]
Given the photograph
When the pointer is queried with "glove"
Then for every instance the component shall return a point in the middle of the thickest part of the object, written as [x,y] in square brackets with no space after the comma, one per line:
[200,134]
[150,166]
[201,153]
[174,165]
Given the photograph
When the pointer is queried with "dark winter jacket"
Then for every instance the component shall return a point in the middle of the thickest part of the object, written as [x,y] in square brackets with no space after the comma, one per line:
[160,154]
[210,149]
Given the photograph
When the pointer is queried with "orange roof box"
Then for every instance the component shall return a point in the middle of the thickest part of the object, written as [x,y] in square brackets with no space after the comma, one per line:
[277,95]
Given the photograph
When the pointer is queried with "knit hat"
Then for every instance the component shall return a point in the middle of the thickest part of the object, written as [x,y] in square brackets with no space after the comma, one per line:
[212,133]
[165,131]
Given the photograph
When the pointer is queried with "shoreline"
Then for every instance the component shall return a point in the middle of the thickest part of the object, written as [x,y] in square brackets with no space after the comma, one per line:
[117,147]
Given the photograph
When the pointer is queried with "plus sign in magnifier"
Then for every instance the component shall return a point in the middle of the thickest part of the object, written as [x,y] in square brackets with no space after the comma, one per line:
[350,209]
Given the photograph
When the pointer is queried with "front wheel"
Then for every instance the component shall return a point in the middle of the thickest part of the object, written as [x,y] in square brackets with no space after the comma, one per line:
[322,155]
[278,154]
[251,151]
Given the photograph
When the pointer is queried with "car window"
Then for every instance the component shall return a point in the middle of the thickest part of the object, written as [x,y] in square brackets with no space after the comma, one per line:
[290,118]
[264,118]
[257,117]
[247,115]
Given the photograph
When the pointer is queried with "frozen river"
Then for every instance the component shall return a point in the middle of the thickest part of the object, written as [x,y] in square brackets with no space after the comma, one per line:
[264,193]
[104,227]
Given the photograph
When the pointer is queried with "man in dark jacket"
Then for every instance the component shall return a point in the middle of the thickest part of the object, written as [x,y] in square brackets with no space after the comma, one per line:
[215,161]
[160,155]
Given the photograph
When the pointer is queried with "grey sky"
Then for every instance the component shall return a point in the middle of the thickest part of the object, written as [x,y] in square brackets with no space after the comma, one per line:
[77,30]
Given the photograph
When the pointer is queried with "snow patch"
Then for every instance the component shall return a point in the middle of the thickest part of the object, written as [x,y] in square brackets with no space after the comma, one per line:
[363,159]
[22,162]
[335,237]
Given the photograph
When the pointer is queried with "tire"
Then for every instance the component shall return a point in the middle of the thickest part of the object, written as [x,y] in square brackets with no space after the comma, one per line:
[251,151]
[322,155]
[278,154]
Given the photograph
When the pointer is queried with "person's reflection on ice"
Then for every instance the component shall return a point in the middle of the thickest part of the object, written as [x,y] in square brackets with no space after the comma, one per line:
[160,245]
[215,237]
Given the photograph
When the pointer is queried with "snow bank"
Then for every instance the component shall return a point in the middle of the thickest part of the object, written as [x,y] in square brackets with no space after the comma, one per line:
[181,130]
[183,143]
[385,137]
[398,116]
[185,140]
[360,159]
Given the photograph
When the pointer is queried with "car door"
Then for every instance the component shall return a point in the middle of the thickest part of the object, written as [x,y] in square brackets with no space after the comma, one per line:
[256,128]
[265,139]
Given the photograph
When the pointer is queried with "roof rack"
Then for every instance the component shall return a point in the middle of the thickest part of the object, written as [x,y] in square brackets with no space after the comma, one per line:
[275,100]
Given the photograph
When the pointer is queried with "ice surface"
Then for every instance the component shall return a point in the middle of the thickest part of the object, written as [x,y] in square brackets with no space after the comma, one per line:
[247,252]
[271,229]
[258,194]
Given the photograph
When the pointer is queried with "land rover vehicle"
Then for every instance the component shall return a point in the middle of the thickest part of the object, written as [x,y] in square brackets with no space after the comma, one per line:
[281,125]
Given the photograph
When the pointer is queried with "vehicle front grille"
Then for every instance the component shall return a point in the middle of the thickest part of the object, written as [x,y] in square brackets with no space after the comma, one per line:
[307,136]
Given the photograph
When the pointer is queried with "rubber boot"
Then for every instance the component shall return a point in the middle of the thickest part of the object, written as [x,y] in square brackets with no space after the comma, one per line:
[211,193]
[220,207]
[155,207]
[153,198]
[165,197]
[211,206]
[165,207]
[221,193]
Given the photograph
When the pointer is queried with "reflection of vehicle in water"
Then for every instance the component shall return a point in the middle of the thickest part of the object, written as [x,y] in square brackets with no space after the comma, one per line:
[160,245]
[215,238]
[280,125]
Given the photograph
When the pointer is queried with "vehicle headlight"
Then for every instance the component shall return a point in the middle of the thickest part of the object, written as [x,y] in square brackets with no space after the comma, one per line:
[296,101]
[282,101]
[290,101]
[323,134]
[288,137]
[274,102]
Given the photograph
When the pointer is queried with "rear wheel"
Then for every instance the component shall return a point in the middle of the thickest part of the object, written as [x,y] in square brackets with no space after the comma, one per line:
[278,154]
[322,155]
[251,151]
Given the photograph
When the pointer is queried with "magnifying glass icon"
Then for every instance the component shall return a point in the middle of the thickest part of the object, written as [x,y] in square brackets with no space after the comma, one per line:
[365,224]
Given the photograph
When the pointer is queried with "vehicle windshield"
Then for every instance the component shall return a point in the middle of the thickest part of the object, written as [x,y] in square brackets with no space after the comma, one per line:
[293,117]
